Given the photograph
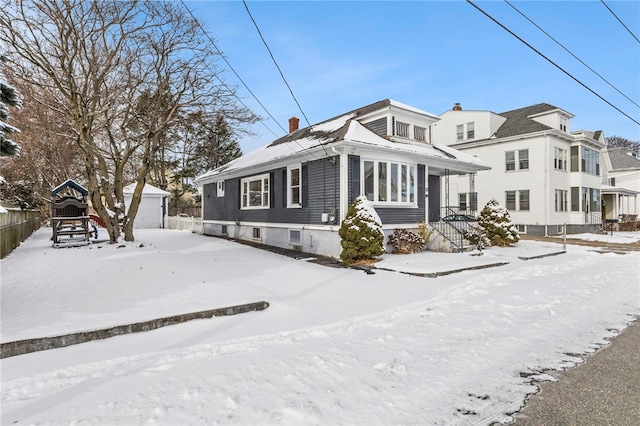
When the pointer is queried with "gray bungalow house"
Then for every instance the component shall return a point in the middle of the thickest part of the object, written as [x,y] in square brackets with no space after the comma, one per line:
[295,192]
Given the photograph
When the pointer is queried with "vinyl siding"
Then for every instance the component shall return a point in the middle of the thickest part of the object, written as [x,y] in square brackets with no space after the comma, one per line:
[320,192]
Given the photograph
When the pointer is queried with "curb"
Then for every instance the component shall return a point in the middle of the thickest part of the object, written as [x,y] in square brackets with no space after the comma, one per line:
[541,255]
[21,347]
[443,273]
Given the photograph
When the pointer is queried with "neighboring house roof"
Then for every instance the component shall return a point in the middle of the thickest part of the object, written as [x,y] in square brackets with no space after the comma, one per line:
[70,184]
[519,123]
[623,159]
[147,190]
[343,127]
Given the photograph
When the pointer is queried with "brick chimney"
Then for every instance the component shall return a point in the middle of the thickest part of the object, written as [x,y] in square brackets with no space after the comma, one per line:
[293,124]
[457,107]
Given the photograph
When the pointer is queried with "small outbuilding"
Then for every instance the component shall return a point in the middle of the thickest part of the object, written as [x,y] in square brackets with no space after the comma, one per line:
[153,206]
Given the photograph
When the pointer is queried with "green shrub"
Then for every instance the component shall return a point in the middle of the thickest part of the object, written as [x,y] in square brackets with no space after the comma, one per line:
[361,232]
[495,221]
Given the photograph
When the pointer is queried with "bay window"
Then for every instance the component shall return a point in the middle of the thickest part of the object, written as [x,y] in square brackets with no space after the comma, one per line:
[389,182]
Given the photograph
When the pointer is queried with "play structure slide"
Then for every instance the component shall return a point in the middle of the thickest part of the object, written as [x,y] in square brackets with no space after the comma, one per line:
[97,220]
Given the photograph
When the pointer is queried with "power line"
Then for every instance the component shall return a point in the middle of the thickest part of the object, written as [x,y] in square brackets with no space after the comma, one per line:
[619,20]
[276,63]
[234,71]
[553,63]
[568,51]
[282,75]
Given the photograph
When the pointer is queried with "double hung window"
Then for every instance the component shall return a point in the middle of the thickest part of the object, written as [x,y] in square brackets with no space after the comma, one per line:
[522,159]
[559,159]
[294,186]
[255,192]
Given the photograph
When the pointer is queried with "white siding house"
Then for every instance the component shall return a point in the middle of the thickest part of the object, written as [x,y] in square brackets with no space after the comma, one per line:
[545,174]
[621,183]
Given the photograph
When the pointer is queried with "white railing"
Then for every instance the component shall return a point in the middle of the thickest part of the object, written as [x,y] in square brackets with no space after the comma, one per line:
[190,223]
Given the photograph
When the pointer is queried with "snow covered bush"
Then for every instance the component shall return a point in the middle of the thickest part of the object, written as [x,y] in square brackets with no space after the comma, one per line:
[9,97]
[495,220]
[406,241]
[361,232]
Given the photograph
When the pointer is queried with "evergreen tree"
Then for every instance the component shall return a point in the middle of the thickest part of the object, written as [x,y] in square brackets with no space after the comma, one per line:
[496,223]
[361,232]
[9,97]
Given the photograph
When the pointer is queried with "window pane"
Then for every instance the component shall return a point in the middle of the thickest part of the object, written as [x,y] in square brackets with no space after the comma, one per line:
[255,193]
[394,182]
[510,160]
[460,132]
[574,159]
[295,177]
[524,200]
[523,156]
[510,200]
[470,130]
[575,199]
[382,181]
[403,180]
[368,180]
[412,184]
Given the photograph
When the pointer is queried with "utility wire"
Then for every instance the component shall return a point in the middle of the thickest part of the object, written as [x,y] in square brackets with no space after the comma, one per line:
[275,62]
[236,74]
[281,75]
[619,20]
[553,63]
[570,53]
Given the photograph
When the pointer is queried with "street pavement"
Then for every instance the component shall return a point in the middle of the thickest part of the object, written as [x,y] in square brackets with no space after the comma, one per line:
[605,390]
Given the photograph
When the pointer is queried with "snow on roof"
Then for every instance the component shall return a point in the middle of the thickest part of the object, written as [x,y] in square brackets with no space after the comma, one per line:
[147,190]
[343,127]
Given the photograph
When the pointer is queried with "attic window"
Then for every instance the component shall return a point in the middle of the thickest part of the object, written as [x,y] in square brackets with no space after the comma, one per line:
[402,129]
[563,124]
[419,133]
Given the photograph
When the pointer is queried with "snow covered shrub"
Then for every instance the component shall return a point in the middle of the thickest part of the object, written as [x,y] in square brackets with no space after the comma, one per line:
[495,220]
[361,232]
[405,241]
[476,236]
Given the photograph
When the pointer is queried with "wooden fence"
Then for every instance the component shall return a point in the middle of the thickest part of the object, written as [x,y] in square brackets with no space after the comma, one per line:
[15,227]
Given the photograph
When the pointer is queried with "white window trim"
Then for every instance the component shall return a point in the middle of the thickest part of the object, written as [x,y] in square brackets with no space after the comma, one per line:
[376,194]
[250,179]
[290,204]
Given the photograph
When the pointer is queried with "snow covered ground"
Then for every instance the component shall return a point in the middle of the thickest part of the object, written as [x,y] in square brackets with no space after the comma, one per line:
[336,346]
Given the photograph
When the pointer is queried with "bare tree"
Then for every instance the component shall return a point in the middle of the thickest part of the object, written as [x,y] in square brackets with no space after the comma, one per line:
[122,73]
[48,155]
[615,141]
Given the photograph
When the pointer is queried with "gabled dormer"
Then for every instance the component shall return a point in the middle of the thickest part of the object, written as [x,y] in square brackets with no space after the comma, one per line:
[398,122]
[458,126]
[556,118]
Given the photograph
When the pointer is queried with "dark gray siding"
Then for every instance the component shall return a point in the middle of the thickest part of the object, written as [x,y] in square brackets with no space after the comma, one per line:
[320,192]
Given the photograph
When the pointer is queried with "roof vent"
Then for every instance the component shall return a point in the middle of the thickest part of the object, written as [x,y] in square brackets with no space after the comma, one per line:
[293,124]
[457,107]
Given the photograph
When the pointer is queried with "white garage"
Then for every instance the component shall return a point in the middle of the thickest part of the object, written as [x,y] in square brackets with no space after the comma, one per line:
[153,206]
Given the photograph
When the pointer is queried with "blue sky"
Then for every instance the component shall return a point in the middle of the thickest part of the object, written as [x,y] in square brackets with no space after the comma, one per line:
[337,56]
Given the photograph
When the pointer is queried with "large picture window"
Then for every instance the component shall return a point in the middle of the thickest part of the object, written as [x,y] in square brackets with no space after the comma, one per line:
[387,182]
[590,161]
[255,192]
